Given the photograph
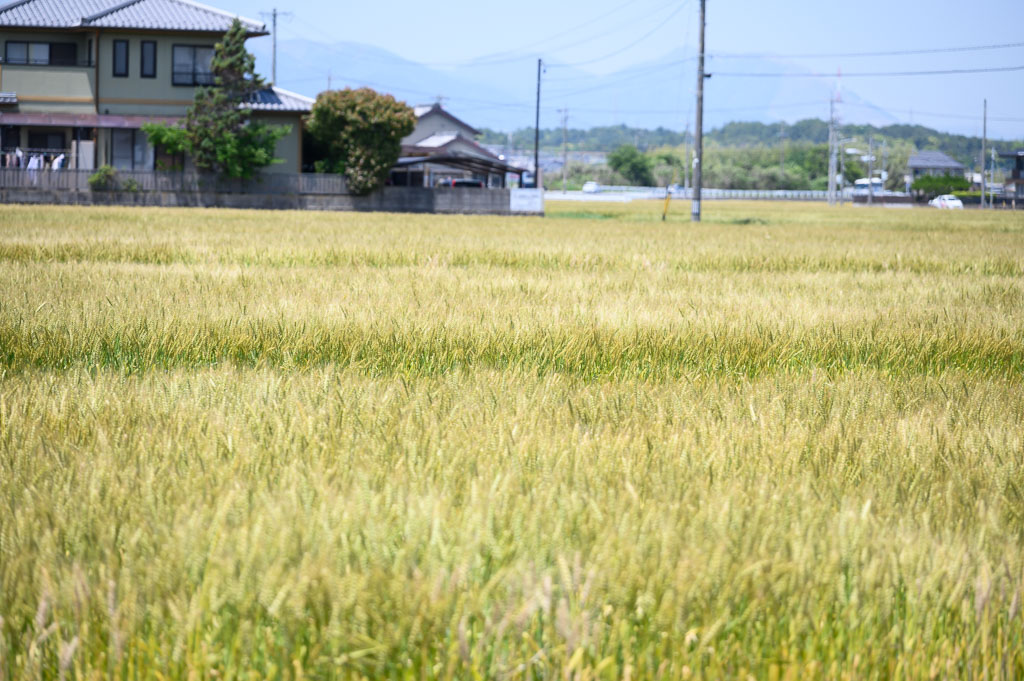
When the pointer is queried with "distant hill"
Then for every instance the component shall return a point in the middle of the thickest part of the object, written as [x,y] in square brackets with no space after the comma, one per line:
[749,134]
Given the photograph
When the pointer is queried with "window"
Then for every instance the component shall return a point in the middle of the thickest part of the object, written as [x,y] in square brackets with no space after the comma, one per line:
[120,58]
[46,140]
[59,54]
[130,150]
[192,65]
[39,53]
[147,68]
[16,53]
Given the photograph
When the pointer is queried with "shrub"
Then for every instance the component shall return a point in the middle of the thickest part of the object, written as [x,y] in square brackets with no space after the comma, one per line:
[358,133]
[935,185]
[104,179]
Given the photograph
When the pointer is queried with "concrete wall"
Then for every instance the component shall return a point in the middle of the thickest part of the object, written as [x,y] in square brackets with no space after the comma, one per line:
[468,200]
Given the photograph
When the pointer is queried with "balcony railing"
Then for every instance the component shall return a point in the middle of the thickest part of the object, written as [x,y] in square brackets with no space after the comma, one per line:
[155,181]
[27,62]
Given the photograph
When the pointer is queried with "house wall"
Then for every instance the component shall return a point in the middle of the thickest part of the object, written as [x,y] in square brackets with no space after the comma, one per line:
[433,123]
[49,88]
[289,147]
[134,94]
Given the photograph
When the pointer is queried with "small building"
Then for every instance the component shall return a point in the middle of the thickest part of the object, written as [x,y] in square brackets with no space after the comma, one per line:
[79,78]
[442,151]
[933,163]
[1013,186]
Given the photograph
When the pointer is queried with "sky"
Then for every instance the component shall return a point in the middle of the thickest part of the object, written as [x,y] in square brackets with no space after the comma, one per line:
[606,36]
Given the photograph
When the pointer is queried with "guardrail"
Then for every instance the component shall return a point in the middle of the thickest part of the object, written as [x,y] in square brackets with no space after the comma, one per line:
[157,181]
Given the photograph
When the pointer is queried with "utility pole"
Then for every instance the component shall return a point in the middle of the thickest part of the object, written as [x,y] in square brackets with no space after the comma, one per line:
[842,170]
[273,14]
[782,148]
[536,135]
[565,144]
[686,156]
[984,135]
[871,170]
[884,174]
[328,79]
[698,142]
[832,143]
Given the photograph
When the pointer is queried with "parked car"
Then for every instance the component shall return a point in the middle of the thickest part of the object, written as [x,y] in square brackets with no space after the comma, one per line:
[467,182]
[947,201]
[591,187]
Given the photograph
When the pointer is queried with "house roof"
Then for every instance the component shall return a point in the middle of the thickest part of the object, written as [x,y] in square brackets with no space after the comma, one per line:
[156,15]
[446,142]
[933,159]
[424,109]
[277,99]
[1011,154]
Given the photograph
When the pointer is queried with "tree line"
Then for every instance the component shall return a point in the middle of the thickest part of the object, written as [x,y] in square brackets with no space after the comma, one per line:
[747,135]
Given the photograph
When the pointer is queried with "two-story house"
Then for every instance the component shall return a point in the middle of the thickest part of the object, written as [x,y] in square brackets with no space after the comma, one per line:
[79,78]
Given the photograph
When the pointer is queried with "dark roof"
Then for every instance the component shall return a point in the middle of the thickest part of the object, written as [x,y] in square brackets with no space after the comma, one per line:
[276,99]
[481,165]
[155,15]
[933,159]
[1012,154]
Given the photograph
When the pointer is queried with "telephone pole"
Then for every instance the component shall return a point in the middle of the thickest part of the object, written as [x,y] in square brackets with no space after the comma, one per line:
[832,144]
[782,148]
[984,135]
[686,156]
[565,144]
[273,14]
[698,142]
[871,170]
[536,135]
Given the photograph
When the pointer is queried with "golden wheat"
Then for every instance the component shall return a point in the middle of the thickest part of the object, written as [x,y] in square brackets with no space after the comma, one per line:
[782,443]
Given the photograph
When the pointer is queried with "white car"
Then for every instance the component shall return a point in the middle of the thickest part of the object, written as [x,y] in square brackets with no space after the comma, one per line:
[591,187]
[947,201]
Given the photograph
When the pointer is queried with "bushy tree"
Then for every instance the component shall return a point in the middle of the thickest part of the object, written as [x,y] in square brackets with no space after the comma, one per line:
[219,133]
[631,164]
[358,133]
[935,185]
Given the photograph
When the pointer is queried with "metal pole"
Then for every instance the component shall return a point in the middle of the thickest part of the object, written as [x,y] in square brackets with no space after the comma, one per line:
[565,145]
[273,63]
[832,152]
[686,157]
[536,135]
[871,170]
[842,170]
[984,134]
[698,142]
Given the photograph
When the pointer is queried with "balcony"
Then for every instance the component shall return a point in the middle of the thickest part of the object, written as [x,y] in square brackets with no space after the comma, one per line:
[50,88]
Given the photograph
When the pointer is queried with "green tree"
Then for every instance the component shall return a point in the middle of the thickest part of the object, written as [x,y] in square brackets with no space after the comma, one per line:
[358,133]
[631,164]
[219,133]
[934,185]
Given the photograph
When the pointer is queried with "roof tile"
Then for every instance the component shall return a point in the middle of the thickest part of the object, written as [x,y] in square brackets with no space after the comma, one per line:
[161,15]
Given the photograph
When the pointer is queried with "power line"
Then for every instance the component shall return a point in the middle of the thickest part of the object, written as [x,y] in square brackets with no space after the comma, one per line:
[636,42]
[890,53]
[870,74]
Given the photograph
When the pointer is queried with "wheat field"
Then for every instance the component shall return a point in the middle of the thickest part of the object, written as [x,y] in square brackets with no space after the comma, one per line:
[784,443]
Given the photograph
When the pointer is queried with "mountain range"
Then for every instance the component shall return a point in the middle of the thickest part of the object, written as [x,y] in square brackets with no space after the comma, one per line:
[500,95]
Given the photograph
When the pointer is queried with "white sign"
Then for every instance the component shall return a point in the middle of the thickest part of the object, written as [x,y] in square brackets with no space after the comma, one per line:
[526,200]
